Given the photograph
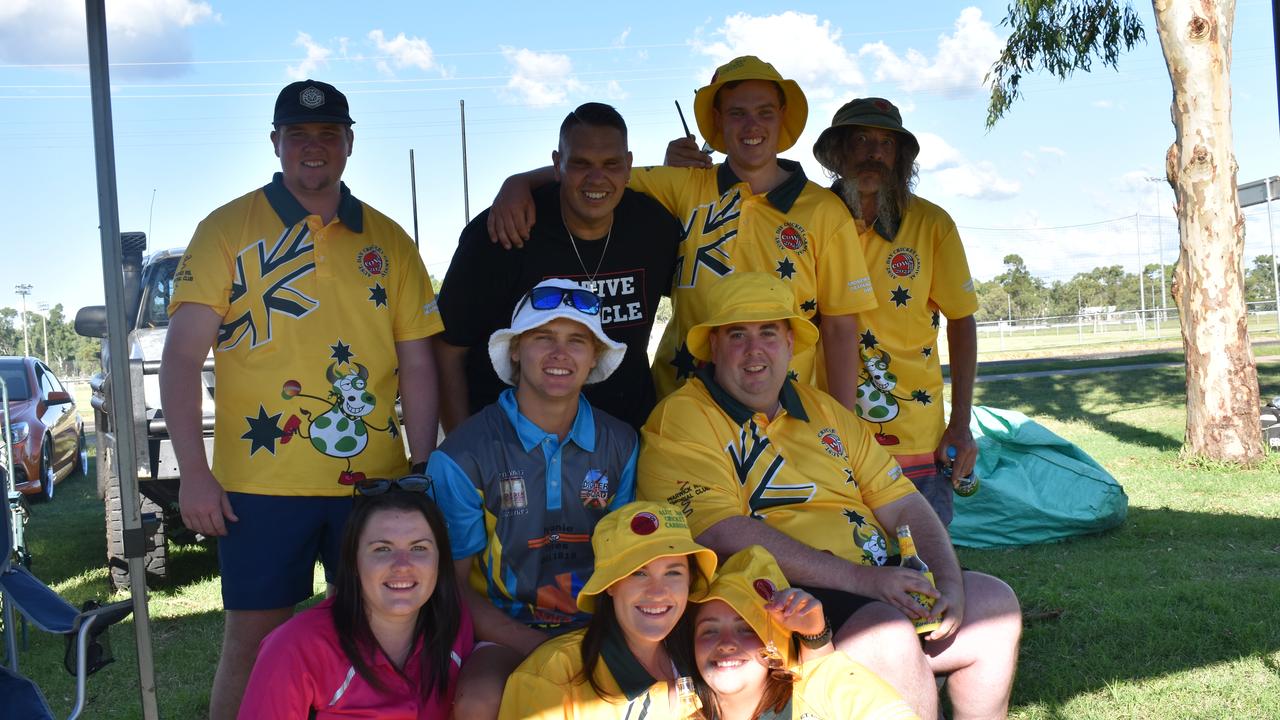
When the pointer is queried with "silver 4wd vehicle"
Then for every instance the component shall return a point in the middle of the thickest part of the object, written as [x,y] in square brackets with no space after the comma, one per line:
[148,286]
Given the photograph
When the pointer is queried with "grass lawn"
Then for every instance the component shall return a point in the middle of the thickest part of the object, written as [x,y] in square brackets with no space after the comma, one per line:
[1174,615]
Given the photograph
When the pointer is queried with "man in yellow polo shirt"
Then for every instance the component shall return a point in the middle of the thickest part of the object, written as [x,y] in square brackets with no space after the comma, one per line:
[752,213]
[318,310]
[919,273]
[753,458]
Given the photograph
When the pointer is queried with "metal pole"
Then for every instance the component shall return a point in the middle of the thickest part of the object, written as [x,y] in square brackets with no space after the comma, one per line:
[122,405]
[12,498]
[1275,274]
[23,290]
[413,188]
[1142,288]
[466,192]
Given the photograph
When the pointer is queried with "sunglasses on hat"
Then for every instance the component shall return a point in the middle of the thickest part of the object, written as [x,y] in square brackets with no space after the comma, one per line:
[549,298]
[408,483]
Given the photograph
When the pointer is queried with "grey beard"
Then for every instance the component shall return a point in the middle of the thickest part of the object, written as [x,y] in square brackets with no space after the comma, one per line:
[888,215]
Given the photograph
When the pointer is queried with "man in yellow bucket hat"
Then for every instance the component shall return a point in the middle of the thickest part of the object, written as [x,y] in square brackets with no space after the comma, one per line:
[754,212]
[753,458]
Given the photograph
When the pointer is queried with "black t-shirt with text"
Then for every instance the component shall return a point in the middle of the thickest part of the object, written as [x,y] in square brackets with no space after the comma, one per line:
[484,282]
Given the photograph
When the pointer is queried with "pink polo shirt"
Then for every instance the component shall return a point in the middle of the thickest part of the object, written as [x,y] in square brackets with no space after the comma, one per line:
[302,668]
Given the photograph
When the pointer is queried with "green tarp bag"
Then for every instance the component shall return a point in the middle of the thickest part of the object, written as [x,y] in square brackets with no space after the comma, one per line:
[1036,487]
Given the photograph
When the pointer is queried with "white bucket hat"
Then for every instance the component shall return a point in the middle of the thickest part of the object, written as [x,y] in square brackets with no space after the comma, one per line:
[527,317]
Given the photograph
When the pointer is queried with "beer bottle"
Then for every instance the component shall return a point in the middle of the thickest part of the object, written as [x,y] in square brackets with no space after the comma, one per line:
[688,704]
[912,561]
[968,484]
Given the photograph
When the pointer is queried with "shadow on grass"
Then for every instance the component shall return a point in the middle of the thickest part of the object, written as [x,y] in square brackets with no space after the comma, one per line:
[1075,397]
[1091,397]
[1168,592]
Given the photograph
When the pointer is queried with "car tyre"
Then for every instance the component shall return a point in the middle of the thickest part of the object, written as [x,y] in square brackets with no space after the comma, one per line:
[156,559]
[48,475]
[82,456]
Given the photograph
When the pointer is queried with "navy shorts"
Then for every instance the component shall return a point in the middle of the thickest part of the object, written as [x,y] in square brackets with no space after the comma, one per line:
[268,558]
[934,486]
[838,605]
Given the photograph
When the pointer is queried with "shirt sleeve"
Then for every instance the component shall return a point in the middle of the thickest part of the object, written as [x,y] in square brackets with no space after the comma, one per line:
[844,286]
[461,504]
[627,485]
[531,696]
[952,289]
[415,311]
[681,464]
[475,282]
[204,274]
[281,686]
[880,479]
[667,185]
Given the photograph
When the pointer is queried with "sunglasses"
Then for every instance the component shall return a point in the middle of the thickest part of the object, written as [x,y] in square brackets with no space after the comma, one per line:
[408,483]
[550,298]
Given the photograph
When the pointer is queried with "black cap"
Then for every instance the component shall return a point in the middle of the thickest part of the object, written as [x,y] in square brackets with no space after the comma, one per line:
[308,101]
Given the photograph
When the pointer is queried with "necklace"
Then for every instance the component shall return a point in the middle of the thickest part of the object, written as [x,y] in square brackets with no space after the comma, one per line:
[591,276]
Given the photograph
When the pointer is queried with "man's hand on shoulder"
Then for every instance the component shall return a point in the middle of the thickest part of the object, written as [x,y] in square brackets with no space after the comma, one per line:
[512,215]
[684,152]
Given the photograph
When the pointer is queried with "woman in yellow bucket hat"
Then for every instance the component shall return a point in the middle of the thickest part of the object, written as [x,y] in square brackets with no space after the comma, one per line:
[747,630]
[624,664]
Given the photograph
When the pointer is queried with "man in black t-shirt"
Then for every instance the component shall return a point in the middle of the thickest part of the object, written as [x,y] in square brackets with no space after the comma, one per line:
[589,228]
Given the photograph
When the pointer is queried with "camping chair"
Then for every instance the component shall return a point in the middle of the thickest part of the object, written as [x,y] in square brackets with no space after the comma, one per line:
[47,610]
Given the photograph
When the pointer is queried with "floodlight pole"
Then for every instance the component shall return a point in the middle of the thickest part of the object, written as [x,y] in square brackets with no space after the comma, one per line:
[122,392]
[23,290]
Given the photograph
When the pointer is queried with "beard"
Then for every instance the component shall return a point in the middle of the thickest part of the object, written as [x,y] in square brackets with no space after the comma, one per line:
[889,209]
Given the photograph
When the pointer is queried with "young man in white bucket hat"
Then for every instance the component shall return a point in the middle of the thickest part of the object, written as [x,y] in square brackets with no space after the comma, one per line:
[524,481]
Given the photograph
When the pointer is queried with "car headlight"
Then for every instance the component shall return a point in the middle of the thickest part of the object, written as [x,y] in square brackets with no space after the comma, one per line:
[18,432]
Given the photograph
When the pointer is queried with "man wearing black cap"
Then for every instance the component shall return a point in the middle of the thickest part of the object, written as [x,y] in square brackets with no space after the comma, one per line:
[919,273]
[319,311]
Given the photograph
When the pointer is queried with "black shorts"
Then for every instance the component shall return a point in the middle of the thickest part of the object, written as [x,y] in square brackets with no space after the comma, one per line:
[838,605]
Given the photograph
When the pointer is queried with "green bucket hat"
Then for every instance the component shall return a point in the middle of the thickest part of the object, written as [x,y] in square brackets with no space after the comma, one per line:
[866,112]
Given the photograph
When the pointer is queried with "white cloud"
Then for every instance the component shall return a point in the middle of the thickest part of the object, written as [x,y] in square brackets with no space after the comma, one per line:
[1051,150]
[317,57]
[957,69]
[402,52]
[621,40]
[936,153]
[138,31]
[540,79]
[980,180]
[1103,104]
[813,55]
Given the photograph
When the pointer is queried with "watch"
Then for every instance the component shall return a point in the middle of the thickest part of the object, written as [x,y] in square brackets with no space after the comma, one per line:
[815,642]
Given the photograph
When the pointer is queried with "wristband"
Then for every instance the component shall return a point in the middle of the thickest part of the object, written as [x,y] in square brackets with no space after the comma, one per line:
[816,642]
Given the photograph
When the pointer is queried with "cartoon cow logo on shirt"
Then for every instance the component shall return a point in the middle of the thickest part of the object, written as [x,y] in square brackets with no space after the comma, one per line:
[341,431]
[876,401]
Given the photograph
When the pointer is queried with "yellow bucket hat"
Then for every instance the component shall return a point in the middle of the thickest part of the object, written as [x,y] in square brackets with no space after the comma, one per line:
[747,582]
[634,535]
[745,297]
[750,67]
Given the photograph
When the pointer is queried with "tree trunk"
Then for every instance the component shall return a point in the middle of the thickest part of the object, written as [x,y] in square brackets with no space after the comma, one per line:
[1222,378]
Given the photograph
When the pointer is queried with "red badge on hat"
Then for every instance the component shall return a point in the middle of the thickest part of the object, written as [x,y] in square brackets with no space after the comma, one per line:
[645,523]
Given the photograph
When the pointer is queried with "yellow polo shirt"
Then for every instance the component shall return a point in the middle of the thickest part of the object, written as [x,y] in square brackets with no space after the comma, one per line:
[305,358]
[798,231]
[813,472]
[546,685]
[834,687]
[918,274]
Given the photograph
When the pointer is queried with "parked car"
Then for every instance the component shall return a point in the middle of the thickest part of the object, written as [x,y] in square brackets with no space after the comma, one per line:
[45,431]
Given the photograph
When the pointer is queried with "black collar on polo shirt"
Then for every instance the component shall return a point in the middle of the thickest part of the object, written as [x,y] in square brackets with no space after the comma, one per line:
[633,680]
[781,197]
[739,413]
[291,212]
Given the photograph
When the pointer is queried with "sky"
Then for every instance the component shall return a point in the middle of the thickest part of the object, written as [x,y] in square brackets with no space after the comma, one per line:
[1061,181]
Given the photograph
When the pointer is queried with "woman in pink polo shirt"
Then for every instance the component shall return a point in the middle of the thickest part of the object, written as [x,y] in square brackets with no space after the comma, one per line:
[390,641]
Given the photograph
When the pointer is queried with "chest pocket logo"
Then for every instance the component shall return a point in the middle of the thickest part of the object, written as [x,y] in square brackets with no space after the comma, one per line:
[749,455]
